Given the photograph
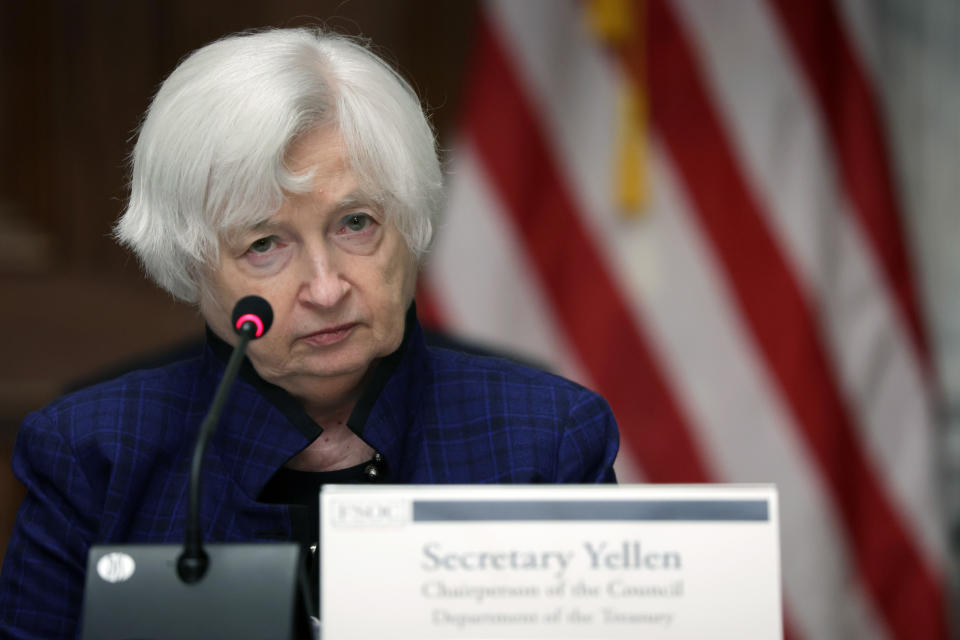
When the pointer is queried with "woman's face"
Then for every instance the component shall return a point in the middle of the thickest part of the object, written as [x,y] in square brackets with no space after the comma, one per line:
[335,269]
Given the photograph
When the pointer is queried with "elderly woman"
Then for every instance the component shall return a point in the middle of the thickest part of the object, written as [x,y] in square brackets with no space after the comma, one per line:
[299,167]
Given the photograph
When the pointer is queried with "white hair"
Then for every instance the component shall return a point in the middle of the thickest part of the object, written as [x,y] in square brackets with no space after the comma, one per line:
[210,154]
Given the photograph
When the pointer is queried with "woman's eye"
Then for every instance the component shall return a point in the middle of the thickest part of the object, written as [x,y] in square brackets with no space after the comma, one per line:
[356,222]
[266,252]
[262,245]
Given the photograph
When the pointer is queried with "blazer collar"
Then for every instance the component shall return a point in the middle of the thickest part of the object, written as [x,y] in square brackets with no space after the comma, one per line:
[259,415]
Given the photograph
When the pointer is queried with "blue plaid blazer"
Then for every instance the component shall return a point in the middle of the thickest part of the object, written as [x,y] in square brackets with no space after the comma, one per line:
[111,463]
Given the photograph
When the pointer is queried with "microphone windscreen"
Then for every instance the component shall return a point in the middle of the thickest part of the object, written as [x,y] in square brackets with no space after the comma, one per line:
[253,309]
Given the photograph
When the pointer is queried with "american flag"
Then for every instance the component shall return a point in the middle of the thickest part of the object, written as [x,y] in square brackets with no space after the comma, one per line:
[689,206]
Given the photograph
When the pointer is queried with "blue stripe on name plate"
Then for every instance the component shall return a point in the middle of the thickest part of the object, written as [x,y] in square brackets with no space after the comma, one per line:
[527,510]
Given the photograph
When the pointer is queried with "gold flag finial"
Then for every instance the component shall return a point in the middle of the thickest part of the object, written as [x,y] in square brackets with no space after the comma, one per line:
[613,21]
[618,24]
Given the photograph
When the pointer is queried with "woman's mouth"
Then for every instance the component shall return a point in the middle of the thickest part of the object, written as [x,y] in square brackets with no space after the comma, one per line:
[330,336]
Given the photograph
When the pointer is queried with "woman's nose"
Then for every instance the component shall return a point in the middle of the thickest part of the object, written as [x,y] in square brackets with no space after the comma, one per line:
[323,283]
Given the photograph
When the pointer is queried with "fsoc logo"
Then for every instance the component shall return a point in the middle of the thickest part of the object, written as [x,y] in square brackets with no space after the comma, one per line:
[370,513]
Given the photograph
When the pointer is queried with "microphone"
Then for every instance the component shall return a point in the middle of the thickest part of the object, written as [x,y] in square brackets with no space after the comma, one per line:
[252,318]
[253,309]
[226,591]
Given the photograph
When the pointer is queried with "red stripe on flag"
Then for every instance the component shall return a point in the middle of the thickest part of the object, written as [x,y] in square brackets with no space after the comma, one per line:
[429,310]
[843,94]
[589,307]
[784,327]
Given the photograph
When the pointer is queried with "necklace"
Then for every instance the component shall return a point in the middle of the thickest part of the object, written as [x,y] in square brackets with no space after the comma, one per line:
[372,470]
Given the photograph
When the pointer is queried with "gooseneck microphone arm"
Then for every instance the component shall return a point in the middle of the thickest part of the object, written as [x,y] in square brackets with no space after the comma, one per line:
[252,317]
[192,563]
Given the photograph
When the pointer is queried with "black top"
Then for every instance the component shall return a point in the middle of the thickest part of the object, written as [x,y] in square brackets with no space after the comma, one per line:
[289,486]
[301,490]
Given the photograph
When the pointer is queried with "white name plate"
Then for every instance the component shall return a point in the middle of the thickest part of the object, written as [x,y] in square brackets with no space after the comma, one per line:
[628,561]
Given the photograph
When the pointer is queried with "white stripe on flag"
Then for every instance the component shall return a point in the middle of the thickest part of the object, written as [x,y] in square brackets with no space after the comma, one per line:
[477,260]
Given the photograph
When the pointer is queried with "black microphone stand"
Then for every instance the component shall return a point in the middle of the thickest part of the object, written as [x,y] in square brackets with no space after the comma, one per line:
[193,562]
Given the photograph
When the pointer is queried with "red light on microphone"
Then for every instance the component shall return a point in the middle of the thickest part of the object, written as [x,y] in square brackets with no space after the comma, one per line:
[253,309]
[249,317]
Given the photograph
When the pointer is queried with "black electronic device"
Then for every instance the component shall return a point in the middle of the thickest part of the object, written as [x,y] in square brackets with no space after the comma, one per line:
[249,591]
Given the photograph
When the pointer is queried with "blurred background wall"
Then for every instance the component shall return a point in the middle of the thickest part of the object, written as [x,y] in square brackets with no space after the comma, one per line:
[75,77]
